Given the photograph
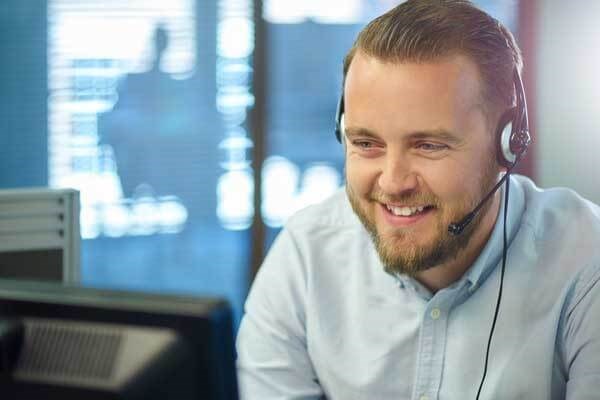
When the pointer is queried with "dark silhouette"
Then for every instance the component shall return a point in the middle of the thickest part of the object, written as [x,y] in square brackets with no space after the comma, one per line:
[164,133]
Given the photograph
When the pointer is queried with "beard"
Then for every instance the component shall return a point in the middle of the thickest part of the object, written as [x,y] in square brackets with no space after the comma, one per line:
[399,251]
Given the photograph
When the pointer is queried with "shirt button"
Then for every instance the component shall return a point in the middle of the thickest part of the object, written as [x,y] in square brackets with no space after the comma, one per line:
[435,313]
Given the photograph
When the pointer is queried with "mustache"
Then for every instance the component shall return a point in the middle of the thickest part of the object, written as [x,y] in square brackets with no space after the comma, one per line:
[406,198]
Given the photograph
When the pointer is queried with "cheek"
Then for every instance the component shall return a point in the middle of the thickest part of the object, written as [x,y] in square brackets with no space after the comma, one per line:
[456,185]
[449,183]
[360,176]
[445,181]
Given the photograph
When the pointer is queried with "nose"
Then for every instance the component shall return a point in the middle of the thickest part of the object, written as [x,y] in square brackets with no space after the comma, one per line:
[397,176]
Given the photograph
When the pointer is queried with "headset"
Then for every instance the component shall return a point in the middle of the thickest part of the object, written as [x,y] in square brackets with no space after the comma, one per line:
[512,141]
[513,136]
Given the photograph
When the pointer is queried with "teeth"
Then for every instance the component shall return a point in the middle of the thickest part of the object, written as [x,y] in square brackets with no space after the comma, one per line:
[405,211]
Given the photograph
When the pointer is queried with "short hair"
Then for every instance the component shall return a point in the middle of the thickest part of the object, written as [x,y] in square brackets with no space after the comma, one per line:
[427,30]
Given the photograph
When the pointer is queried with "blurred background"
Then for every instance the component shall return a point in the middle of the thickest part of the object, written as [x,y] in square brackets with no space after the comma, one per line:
[194,128]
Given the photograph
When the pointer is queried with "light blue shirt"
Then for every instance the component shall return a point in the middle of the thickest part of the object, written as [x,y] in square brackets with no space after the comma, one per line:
[323,319]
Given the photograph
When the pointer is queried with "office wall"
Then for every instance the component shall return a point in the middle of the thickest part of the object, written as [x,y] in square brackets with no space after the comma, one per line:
[568,96]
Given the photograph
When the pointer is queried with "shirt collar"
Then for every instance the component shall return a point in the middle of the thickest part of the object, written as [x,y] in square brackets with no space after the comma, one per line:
[491,254]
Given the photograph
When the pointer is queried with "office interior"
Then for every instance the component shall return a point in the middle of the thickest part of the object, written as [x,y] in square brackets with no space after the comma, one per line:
[193,129]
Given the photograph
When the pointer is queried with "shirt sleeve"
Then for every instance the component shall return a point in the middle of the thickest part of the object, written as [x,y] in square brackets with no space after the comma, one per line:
[582,340]
[273,361]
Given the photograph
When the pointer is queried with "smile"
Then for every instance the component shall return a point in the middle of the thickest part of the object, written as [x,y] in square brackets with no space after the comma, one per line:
[405,211]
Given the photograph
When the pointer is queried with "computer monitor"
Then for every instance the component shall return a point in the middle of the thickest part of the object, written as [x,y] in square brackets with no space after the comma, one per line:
[65,342]
[40,234]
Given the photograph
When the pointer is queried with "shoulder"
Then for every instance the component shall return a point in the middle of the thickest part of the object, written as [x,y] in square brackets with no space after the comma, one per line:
[318,232]
[326,234]
[564,229]
[330,215]
[319,244]
[311,247]
[553,210]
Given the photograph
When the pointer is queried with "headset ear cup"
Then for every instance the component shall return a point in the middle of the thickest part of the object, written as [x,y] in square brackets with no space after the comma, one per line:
[342,133]
[503,137]
[339,119]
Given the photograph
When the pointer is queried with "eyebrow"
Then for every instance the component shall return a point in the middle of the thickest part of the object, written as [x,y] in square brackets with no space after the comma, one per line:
[439,134]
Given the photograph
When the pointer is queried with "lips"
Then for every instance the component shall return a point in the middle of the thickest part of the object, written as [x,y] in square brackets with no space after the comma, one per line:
[405,215]
[405,211]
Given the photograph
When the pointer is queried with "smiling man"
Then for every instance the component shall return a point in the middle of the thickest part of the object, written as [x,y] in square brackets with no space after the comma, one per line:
[408,178]
[375,293]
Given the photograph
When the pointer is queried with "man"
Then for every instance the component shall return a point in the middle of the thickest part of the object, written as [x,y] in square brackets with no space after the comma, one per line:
[369,296]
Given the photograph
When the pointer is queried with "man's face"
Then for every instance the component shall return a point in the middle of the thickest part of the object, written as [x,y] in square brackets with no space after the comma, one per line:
[419,156]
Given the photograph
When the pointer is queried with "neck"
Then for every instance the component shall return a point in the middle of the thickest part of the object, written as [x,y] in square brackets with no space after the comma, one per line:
[444,275]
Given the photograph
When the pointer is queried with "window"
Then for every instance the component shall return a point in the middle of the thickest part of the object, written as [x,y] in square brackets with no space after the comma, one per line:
[147,118]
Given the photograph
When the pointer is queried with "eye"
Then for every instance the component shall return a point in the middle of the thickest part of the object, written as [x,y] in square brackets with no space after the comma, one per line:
[431,147]
[363,144]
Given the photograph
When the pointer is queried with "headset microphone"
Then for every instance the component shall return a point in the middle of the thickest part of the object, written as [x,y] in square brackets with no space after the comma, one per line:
[513,138]
[456,228]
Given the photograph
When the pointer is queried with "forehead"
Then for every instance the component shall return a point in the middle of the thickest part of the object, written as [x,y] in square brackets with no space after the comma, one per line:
[442,92]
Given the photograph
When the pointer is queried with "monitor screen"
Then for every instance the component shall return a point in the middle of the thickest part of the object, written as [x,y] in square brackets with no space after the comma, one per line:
[67,342]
